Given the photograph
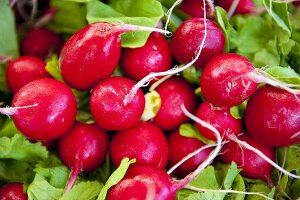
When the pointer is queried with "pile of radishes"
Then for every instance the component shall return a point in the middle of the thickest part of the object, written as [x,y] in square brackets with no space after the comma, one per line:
[136,100]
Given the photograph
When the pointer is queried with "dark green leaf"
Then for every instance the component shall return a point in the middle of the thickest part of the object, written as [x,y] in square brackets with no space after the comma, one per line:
[192,75]
[9,129]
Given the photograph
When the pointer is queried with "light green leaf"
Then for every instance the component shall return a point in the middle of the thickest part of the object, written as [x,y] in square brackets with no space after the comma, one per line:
[138,12]
[222,20]
[232,172]
[260,187]
[192,75]
[19,148]
[115,177]
[189,130]
[285,74]
[83,190]
[52,67]
[238,185]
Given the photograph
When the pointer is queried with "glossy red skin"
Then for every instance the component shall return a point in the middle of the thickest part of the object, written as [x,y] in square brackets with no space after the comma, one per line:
[194,8]
[174,92]
[23,70]
[142,182]
[40,42]
[189,35]
[154,56]
[220,118]
[107,105]
[272,117]
[13,191]
[90,55]
[224,81]
[253,166]
[243,7]
[54,114]
[144,141]
[180,147]
[84,146]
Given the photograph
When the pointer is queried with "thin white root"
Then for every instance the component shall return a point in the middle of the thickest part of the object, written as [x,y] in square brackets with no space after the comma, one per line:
[9,111]
[226,191]
[263,156]
[128,98]
[131,27]
[233,8]
[169,13]
[160,81]
[190,155]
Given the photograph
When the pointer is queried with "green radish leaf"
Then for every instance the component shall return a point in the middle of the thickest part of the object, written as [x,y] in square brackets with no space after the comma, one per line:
[102,173]
[239,185]
[235,112]
[9,129]
[115,177]
[83,190]
[190,130]
[137,12]
[294,189]
[153,103]
[222,20]
[285,74]
[52,67]
[192,75]
[69,17]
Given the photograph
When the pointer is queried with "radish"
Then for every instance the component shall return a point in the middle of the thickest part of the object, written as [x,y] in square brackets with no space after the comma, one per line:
[194,8]
[83,148]
[43,109]
[144,141]
[23,70]
[41,42]
[220,118]
[253,166]
[174,92]
[237,6]
[12,191]
[229,79]
[107,105]
[154,56]
[272,117]
[93,53]
[179,147]
[189,35]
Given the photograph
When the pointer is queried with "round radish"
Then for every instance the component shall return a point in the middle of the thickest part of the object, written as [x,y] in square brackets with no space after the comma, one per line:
[220,118]
[83,148]
[12,191]
[194,8]
[154,56]
[253,165]
[23,70]
[174,92]
[107,104]
[144,182]
[52,109]
[188,37]
[226,80]
[238,6]
[144,142]
[272,117]
[41,42]
[180,146]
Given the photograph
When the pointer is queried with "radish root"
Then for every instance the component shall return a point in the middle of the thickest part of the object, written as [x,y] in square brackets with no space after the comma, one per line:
[9,111]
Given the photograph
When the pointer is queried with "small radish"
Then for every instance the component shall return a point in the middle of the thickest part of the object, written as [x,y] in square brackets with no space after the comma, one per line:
[144,141]
[188,37]
[107,104]
[154,56]
[13,191]
[174,92]
[179,147]
[272,117]
[83,148]
[253,166]
[220,118]
[43,109]
[23,70]
[41,42]
[93,53]
[237,6]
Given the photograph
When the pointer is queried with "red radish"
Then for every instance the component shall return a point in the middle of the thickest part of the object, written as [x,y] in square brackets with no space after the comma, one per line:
[83,148]
[253,165]
[272,117]
[100,46]
[48,109]
[41,42]
[144,142]
[194,8]
[188,37]
[107,104]
[226,80]
[237,6]
[220,118]
[179,147]
[12,191]
[174,92]
[154,56]
[23,70]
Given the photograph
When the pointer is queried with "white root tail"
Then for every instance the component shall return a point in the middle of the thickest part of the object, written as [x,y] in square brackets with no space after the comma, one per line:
[9,111]
[131,27]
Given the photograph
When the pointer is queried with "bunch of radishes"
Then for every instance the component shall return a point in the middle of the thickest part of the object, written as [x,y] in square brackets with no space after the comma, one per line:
[44,108]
